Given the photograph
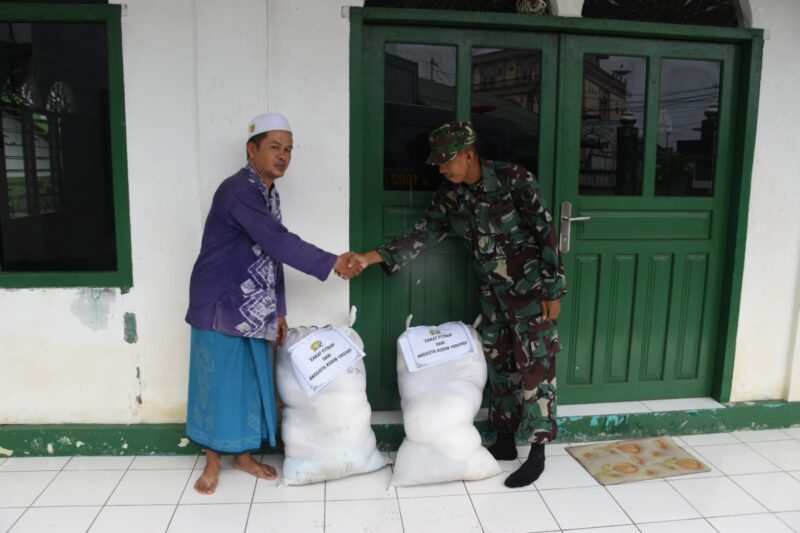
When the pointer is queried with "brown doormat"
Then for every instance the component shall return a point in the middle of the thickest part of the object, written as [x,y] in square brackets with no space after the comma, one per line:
[635,460]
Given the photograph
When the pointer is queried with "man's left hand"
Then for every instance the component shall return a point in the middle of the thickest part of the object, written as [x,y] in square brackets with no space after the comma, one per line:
[283,329]
[551,309]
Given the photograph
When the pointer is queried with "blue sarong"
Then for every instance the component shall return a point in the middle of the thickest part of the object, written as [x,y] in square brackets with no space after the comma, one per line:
[231,406]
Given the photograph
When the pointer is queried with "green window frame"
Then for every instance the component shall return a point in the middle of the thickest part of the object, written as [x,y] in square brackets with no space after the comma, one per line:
[110,15]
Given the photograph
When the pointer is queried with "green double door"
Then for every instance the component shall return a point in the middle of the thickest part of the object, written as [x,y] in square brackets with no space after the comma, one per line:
[630,140]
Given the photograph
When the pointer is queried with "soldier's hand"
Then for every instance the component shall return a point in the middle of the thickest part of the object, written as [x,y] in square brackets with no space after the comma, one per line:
[346,267]
[551,309]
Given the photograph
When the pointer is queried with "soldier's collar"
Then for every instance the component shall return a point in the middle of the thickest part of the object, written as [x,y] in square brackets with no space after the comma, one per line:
[488,181]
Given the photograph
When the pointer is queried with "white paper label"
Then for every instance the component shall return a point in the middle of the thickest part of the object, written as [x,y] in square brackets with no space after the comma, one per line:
[320,357]
[432,345]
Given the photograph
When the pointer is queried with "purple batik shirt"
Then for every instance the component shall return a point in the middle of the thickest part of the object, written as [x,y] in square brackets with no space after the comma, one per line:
[237,284]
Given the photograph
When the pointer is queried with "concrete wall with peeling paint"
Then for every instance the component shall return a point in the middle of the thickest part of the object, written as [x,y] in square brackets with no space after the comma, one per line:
[195,73]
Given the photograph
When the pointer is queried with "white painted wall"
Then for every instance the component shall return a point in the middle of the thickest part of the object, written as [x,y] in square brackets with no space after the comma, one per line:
[195,72]
[767,356]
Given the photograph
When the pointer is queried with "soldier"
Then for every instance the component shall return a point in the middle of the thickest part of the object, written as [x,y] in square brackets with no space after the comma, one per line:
[498,210]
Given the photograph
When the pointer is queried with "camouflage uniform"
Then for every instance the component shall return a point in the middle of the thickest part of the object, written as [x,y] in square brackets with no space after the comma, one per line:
[510,233]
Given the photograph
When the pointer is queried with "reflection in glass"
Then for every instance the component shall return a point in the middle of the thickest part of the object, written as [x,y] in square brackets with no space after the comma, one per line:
[56,200]
[612,125]
[505,104]
[419,95]
[687,127]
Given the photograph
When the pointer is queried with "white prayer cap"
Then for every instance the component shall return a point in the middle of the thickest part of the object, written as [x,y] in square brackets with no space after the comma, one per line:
[267,122]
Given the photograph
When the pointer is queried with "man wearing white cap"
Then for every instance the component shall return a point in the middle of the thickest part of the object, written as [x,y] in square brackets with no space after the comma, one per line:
[237,305]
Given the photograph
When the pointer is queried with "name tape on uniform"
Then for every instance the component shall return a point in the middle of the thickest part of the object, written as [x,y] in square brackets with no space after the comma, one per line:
[322,356]
[432,345]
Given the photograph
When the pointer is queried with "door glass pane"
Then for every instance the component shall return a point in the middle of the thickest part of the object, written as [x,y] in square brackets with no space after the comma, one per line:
[419,95]
[687,127]
[505,104]
[612,125]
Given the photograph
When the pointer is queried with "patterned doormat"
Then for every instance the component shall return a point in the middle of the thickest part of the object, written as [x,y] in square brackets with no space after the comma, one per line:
[636,460]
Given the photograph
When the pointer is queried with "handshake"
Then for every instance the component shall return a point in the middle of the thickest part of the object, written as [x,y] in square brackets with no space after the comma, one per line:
[351,264]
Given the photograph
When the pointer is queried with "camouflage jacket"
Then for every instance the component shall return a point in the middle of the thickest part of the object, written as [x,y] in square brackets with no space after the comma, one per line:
[503,221]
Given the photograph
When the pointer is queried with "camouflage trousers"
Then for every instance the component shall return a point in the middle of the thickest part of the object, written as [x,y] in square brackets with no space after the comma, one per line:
[521,356]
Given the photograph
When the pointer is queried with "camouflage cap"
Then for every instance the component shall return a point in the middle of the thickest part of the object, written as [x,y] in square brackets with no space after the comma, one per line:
[449,139]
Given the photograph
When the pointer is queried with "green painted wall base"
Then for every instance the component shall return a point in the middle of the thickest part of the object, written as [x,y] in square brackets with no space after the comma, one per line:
[169,439]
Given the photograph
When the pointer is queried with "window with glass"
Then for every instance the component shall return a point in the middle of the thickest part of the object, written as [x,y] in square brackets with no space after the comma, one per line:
[419,95]
[612,125]
[506,96]
[60,159]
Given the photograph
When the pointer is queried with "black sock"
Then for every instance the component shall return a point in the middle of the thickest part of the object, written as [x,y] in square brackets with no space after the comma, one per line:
[530,470]
[504,448]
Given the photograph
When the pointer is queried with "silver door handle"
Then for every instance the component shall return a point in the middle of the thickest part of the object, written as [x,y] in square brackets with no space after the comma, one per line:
[567,219]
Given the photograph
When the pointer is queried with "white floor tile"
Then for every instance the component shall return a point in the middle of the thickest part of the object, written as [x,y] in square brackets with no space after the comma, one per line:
[133,519]
[652,502]
[792,432]
[761,523]
[717,496]
[299,517]
[60,519]
[166,462]
[696,452]
[105,462]
[270,491]
[445,514]
[790,519]
[150,487]
[684,526]
[374,485]
[500,513]
[452,488]
[610,529]
[9,516]
[584,507]
[234,486]
[227,518]
[735,459]
[709,438]
[610,408]
[762,435]
[777,492]
[784,453]
[496,483]
[564,472]
[363,515]
[19,489]
[682,404]
[32,464]
[80,487]
[551,450]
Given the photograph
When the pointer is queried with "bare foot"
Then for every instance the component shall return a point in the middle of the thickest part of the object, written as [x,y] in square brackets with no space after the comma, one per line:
[246,462]
[207,482]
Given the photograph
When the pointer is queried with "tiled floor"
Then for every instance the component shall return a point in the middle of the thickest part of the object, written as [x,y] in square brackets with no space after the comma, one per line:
[753,487]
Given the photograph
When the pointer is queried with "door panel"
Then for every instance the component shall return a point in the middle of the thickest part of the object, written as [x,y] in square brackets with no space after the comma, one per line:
[634,133]
[646,157]
[416,80]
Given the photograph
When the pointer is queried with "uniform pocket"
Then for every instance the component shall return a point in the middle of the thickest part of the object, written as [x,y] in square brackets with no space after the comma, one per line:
[543,336]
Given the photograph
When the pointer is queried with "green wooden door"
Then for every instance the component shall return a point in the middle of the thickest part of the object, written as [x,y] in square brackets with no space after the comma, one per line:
[644,150]
[414,80]
[633,133]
